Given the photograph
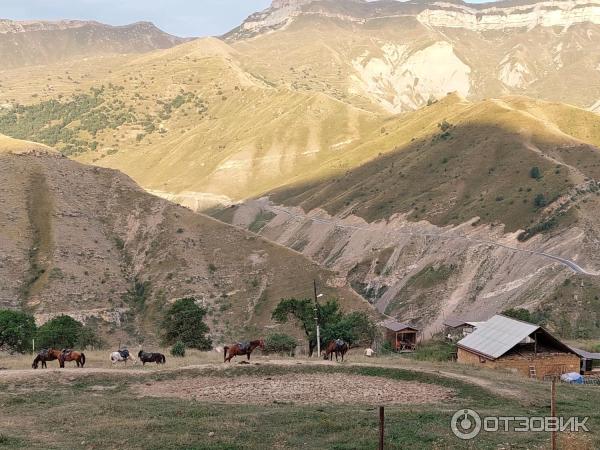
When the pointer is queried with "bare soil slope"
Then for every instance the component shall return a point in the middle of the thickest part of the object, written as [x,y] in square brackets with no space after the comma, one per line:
[89,242]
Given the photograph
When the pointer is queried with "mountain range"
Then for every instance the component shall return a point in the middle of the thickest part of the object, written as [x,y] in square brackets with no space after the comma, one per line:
[439,158]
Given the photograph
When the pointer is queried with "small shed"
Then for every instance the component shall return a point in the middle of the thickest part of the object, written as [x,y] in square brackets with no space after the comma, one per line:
[401,336]
[590,362]
[525,348]
[457,328]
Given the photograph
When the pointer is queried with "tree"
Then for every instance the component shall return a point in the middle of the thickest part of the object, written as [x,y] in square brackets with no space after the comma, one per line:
[535,173]
[280,343]
[355,327]
[524,315]
[17,330]
[65,332]
[302,311]
[184,322]
[540,201]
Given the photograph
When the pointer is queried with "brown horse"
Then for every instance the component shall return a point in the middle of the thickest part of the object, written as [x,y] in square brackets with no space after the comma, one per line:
[337,346]
[66,356]
[43,357]
[242,348]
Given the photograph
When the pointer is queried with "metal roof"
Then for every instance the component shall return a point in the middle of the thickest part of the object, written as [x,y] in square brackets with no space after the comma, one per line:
[393,325]
[455,322]
[585,354]
[497,336]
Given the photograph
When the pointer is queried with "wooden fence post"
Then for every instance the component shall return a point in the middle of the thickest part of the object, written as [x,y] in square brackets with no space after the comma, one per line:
[381,427]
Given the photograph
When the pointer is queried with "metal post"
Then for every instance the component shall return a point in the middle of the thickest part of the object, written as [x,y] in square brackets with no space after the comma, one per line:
[553,411]
[317,320]
[381,427]
[33,346]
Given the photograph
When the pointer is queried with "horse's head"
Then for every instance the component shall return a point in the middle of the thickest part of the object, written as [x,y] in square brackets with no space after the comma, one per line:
[35,362]
[140,353]
[261,343]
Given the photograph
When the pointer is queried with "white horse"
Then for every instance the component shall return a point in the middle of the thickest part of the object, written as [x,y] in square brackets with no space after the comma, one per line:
[116,357]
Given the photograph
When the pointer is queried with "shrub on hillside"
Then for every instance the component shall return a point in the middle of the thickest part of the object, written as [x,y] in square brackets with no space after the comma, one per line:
[184,322]
[17,330]
[535,173]
[66,332]
[280,343]
[178,349]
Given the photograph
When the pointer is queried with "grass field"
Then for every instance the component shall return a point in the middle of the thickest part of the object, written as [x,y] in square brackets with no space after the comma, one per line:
[111,408]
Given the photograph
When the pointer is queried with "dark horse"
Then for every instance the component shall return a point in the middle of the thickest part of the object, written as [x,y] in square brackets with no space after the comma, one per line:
[242,348]
[158,358]
[338,347]
[43,357]
[67,355]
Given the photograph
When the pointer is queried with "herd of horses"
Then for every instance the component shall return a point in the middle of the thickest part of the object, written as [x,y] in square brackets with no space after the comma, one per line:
[335,347]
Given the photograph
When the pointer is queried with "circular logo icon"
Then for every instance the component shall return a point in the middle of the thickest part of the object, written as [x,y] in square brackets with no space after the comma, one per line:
[465,424]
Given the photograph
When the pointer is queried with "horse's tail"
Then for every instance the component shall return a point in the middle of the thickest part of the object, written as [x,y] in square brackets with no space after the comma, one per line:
[225,350]
[82,359]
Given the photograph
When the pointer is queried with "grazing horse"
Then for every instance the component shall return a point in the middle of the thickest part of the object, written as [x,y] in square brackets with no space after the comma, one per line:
[158,358]
[122,356]
[67,355]
[338,346]
[43,357]
[242,348]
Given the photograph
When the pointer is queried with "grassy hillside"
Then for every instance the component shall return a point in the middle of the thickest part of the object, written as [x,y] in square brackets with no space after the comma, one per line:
[89,242]
[503,161]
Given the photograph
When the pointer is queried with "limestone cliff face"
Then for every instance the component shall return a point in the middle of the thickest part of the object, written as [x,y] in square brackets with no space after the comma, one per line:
[503,15]
[544,14]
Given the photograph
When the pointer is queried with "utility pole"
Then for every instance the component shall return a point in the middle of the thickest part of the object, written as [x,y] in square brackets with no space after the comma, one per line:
[553,411]
[317,320]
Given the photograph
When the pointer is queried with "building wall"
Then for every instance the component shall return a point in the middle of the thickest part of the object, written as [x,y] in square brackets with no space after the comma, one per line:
[544,363]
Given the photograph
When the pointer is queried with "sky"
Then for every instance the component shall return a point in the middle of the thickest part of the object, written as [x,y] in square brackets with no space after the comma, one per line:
[179,17]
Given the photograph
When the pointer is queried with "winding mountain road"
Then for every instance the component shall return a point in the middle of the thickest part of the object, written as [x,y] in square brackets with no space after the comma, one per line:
[447,236]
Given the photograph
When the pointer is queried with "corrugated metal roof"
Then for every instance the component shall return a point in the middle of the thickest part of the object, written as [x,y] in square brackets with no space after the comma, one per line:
[585,354]
[393,325]
[455,322]
[497,336]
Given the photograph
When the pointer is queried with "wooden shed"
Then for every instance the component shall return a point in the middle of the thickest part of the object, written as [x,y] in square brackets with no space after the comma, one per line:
[457,328]
[401,336]
[589,362]
[521,347]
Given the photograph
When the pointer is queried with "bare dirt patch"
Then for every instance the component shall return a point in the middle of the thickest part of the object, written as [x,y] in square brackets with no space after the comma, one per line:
[301,389]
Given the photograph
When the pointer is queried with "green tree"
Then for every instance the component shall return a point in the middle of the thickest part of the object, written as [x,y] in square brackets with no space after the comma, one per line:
[535,173]
[540,201]
[525,315]
[280,343]
[354,327]
[65,332]
[17,329]
[184,322]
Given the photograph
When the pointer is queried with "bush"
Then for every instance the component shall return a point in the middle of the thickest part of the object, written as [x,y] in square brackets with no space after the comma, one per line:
[178,350]
[65,332]
[184,322]
[540,201]
[17,330]
[535,173]
[280,343]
